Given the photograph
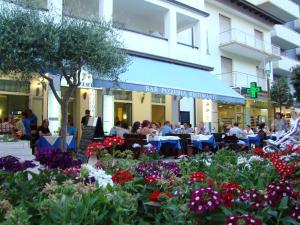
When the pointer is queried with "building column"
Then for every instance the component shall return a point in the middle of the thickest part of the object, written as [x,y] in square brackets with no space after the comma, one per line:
[106,9]
[171,31]
[55,9]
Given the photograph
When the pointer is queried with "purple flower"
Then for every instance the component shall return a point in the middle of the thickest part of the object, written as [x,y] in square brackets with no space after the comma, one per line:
[12,164]
[245,219]
[255,199]
[150,150]
[295,213]
[55,158]
[276,191]
[170,167]
[205,199]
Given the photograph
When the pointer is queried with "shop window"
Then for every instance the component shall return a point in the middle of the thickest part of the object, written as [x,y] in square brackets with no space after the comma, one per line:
[158,99]
[123,112]
[13,104]
[122,95]
[85,9]
[158,113]
[14,86]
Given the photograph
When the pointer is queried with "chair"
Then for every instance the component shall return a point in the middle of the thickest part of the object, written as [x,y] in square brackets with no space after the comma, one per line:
[219,140]
[185,140]
[131,139]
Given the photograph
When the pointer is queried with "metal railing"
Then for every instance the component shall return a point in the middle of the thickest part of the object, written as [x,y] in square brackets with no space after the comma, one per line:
[235,35]
[239,79]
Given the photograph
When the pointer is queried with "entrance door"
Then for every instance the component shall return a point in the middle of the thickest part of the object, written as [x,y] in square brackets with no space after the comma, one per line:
[184,117]
[37,109]
[226,70]
[123,112]
[158,113]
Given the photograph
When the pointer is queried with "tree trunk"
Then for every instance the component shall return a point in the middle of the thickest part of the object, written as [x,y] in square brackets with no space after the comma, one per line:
[64,123]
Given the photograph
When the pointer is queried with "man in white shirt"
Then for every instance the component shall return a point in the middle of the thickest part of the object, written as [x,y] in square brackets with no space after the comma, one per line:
[248,130]
[236,131]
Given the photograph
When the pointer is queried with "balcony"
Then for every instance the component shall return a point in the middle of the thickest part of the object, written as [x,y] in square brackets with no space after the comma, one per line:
[284,66]
[81,9]
[237,79]
[240,43]
[297,25]
[285,10]
[285,37]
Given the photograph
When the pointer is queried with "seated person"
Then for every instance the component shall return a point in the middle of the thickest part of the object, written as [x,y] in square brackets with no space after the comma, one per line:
[236,131]
[154,129]
[123,130]
[135,127]
[6,127]
[187,129]
[201,129]
[116,129]
[166,128]
[145,130]
[248,130]
[262,134]
[44,129]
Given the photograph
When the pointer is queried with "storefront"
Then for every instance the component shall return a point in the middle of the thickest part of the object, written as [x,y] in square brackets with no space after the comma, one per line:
[162,91]
[229,114]
[256,112]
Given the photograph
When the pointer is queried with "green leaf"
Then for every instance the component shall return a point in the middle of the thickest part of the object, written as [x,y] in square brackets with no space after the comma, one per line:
[283,203]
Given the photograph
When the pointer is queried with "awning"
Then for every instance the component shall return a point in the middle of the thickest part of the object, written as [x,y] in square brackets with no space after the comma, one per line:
[148,75]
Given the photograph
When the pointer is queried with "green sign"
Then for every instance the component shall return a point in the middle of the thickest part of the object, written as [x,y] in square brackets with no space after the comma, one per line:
[253,90]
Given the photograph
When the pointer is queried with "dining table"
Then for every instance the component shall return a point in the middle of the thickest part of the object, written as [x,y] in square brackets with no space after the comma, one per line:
[54,142]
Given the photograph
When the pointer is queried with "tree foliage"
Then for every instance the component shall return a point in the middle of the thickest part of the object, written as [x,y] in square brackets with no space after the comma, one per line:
[296,82]
[32,43]
[281,93]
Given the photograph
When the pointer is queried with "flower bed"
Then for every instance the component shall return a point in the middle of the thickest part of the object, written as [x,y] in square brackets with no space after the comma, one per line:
[225,188]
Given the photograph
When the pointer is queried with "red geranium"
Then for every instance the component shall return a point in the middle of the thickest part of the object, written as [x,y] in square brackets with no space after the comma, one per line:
[110,141]
[198,177]
[228,199]
[93,149]
[122,176]
[154,197]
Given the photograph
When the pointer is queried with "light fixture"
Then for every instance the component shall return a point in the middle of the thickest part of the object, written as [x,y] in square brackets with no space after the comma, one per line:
[124,116]
[84,95]
[143,97]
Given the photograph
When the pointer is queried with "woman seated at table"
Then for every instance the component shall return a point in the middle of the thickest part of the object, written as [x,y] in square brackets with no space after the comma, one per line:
[154,128]
[135,127]
[44,129]
[248,130]
[123,130]
[145,130]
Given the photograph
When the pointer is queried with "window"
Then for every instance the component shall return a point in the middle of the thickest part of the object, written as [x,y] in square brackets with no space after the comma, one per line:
[225,29]
[122,95]
[85,9]
[158,99]
[226,70]
[14,86]
[123,112]
[158,113]
[187,30]
[259,39]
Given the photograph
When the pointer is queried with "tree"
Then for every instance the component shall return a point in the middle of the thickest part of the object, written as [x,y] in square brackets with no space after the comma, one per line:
[296,82]
[34,45]
[281,93]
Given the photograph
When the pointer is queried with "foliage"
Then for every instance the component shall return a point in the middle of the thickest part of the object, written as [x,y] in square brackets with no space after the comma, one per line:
[35,44]
[281,93]
[224,188]
[296,82]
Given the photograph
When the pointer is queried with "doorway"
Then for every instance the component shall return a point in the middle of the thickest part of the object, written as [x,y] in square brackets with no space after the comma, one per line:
[123,112]
[158,113]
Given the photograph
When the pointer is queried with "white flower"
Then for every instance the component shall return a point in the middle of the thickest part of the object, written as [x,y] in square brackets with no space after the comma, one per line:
[100,175]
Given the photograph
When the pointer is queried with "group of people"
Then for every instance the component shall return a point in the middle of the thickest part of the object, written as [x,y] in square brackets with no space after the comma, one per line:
[155,128]
[24,127]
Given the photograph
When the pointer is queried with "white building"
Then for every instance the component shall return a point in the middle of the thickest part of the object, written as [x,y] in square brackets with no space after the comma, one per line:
[287,35]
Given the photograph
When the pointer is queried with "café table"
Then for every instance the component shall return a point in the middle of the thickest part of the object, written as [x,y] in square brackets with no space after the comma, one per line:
[200,139]
[251,139]
[158,141]
[55,141]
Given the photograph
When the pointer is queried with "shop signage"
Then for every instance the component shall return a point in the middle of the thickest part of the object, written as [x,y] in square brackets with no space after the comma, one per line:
[207,111]
[86,80]
[253,90]
[171,91]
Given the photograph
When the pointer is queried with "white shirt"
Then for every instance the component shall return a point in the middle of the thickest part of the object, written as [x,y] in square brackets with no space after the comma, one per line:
[293,121]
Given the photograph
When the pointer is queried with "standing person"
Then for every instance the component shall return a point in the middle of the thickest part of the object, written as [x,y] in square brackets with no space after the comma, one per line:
[26,123]
[261,134]
[280,124]
[33,119]
[85,118]
[135,127]
[293,118]
[71,130]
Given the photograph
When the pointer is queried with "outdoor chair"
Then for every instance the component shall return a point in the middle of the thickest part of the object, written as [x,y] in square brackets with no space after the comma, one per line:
[136,143]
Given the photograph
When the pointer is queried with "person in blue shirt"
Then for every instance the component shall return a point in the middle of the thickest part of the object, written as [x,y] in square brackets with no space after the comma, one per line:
[166,128]
[115,130]
[71,129]
[33,119]
[26,123]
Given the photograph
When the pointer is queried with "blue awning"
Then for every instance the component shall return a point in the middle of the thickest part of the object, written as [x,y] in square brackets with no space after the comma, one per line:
[147,75]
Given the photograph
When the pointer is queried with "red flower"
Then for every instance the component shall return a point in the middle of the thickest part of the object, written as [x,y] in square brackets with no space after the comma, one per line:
[210,182]
[122,176]
[154,197]
[228,199]
[93,149]
[150,179]
[198,177]
[110,141]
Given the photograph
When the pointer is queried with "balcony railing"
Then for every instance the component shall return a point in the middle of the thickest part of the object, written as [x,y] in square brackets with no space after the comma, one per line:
[240,37]
[239,79]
